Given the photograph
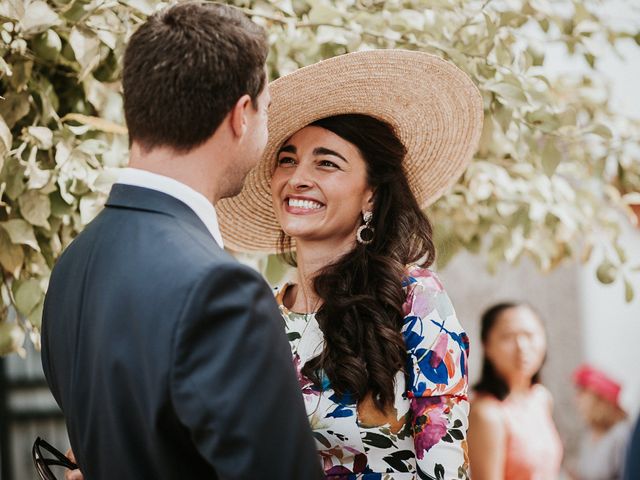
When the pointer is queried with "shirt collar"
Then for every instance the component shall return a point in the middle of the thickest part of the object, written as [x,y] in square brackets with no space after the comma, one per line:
[197,202]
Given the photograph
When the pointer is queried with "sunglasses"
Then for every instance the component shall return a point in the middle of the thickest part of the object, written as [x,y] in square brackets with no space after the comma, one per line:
[42,463]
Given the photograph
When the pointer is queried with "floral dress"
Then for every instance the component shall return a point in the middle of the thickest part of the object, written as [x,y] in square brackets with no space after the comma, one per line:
[423,436]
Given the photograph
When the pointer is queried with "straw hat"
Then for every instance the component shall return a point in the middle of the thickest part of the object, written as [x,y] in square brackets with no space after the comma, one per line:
[432,105]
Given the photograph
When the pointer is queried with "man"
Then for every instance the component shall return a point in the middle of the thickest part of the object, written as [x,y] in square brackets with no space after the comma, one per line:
[167,357]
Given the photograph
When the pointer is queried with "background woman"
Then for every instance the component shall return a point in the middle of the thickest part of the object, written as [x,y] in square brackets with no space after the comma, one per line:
[512,435]
[603,448]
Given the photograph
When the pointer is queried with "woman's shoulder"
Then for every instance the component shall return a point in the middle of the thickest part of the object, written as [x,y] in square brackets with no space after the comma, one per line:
[426,297]
[543,395]
[436,341]
[421,277]
[486,408]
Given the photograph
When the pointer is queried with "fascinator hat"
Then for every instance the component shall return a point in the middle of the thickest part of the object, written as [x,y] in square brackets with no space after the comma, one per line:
[433,107]
[598,382]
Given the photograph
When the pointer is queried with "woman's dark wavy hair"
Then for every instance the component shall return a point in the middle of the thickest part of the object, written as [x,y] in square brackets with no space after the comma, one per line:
[361,292]
[490,380]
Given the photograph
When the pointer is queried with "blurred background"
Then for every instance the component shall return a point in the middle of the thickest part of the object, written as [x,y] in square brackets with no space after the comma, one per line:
[547,213]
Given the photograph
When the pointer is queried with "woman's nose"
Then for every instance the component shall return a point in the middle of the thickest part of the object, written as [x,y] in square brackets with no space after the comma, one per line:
[523,342]
[301,178]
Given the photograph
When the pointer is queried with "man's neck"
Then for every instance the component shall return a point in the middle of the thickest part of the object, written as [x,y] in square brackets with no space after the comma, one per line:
[188,169]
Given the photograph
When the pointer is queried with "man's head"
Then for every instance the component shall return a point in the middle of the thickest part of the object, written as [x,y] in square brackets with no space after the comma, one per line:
[186,69]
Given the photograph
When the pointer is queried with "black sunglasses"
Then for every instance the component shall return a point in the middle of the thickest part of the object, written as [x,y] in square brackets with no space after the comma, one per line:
[42,464]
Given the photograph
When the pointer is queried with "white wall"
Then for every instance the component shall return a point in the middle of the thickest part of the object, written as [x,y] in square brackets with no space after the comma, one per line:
[611,327]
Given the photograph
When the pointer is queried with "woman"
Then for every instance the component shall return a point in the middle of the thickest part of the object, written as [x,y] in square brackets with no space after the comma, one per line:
[602,450]
[512,435]
[359,144]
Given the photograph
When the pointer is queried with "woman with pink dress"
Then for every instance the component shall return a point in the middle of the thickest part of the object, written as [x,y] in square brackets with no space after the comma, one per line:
[512,435]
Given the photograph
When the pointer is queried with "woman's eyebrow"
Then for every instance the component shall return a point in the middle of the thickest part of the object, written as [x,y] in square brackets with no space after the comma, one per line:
[326,151]
[287,149]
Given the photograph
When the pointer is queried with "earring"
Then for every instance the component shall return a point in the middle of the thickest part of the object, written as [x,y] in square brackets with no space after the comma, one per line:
[364,235]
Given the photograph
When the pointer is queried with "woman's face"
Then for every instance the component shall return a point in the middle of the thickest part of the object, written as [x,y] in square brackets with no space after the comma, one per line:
[319,187]
[516,344]
[586,403]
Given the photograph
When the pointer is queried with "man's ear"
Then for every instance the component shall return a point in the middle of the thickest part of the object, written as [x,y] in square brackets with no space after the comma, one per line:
[238,116]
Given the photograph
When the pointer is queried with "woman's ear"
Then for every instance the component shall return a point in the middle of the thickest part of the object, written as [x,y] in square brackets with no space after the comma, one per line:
[369,196]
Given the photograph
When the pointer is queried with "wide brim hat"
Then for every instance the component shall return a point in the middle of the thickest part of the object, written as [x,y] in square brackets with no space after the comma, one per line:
[434,108]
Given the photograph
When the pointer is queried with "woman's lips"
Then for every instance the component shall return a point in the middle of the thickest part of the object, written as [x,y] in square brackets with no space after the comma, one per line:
[302,206]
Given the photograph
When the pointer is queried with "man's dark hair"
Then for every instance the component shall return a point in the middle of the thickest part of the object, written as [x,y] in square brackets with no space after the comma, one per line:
[185,68]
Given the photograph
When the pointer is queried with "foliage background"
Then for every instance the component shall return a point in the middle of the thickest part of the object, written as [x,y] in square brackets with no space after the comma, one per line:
[553,179]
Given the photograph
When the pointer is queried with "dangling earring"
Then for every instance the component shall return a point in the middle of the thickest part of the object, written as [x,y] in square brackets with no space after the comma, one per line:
[365,229]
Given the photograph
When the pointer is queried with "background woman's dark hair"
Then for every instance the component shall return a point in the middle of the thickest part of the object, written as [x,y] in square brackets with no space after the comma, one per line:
[361,315]
[490,380]
[185,68]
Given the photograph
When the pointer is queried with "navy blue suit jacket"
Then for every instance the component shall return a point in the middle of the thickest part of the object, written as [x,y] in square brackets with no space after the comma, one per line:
[167,356]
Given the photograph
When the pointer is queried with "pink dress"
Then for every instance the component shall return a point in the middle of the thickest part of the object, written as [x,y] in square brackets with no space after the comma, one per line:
[534,449]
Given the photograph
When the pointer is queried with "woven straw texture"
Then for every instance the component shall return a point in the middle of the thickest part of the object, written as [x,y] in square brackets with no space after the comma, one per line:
[434,108]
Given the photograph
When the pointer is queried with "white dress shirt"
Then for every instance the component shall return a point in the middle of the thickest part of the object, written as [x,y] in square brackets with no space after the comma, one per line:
[197,202]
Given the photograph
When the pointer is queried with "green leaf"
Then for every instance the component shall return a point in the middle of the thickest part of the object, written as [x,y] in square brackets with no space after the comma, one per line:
[42,137]
[512,19]
[21,233]
[86,48]
[21,74]
[324,13]
[551,157]
[14,107]
[11,255]
[38,17]
[96,123]
[35,317]
[11,337]
[35,208]
[510,94]
[5,68]
[602,130]
[47,45]
[27,295]
[503,116]
[491,26]
[607,272]
[622,255]
[628,291]
[90,206]
[275,270]
[146,7]
[12,10]
[13,175]
[6,140]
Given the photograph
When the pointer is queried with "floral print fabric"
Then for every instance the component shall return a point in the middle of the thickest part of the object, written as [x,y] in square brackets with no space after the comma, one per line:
[423,436]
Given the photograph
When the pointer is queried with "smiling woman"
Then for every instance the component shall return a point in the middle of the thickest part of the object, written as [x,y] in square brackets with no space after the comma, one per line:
[320,188]
[380,354]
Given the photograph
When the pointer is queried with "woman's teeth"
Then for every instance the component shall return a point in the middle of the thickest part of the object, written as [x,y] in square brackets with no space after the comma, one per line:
[307,204]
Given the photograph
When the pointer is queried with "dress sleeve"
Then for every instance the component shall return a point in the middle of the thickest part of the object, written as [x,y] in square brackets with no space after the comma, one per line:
[438,349]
